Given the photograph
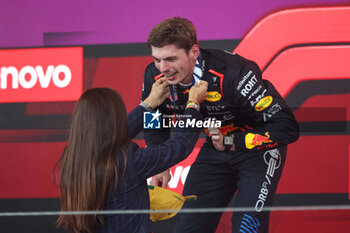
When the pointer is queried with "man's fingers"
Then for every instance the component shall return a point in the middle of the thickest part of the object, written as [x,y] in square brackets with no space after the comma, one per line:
[214,131]
[153,182]
[164,183]
[156,181]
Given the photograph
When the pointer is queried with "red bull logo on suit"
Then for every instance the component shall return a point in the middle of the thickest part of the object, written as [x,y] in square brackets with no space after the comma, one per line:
[253,140]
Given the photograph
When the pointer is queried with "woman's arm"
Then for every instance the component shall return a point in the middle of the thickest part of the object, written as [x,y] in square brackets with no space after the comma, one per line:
[155,159]
[160,91]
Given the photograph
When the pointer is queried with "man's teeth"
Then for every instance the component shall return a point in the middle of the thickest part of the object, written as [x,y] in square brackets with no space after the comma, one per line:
[170,75]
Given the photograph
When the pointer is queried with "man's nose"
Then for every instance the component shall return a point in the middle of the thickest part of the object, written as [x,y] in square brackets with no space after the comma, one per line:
[163,66]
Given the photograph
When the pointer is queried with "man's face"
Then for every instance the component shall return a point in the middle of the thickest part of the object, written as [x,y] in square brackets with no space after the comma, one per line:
[175,64]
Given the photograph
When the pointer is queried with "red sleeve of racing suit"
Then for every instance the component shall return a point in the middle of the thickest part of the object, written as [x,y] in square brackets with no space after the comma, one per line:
[273,123]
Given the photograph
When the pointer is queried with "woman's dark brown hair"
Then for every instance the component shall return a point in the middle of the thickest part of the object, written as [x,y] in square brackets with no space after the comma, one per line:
[178,31]
[93,158]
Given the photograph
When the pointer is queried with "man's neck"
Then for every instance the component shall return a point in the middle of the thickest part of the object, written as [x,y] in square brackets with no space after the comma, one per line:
[187,82]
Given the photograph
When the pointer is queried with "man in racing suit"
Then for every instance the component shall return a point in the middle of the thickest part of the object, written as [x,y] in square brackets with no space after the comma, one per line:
[245,156]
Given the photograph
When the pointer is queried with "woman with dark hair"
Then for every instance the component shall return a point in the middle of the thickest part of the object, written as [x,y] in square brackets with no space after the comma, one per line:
[101,169]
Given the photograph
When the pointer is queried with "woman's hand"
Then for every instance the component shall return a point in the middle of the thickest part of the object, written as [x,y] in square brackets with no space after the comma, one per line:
[198,92]
[160,91]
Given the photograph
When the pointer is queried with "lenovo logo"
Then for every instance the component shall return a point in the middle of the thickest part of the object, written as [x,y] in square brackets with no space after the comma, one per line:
[29,76]
[41,75]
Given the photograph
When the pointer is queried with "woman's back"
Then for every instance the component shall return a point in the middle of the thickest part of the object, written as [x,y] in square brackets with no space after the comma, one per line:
[131,194]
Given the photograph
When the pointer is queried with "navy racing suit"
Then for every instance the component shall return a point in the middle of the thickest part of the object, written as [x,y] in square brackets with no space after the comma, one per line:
[251,109]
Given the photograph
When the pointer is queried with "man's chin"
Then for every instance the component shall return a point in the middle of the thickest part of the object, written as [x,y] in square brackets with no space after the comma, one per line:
[173,82]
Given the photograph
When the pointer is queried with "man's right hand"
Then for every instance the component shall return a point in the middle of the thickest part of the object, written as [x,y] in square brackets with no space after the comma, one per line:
[216,138]
[162,179]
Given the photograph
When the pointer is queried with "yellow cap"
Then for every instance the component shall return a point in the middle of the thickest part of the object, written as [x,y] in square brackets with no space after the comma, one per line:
[164,199]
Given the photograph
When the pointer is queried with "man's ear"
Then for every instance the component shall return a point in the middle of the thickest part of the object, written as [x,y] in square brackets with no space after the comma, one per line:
[195,51]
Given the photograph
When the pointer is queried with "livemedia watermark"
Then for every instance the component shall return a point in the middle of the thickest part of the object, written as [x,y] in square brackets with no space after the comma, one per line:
[156,120]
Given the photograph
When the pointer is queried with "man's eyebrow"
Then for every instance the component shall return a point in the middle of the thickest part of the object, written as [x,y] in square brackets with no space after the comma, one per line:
[167,58]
